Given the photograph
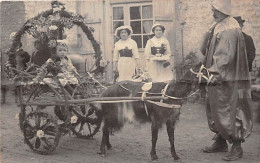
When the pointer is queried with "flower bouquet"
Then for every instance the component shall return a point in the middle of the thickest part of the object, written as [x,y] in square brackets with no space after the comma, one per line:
[158,53]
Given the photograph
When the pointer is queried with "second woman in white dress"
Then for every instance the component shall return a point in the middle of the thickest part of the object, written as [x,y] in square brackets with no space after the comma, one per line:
[157,51]
[125,54]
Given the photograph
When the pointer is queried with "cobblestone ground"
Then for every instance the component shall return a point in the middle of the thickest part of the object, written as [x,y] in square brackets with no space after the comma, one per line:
[130,145]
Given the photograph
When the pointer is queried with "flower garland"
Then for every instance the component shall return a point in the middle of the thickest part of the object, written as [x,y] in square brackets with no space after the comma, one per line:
[63,20]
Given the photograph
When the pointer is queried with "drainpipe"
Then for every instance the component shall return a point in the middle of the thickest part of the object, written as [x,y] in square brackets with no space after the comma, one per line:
[108,77]
[182,47]
[104,27]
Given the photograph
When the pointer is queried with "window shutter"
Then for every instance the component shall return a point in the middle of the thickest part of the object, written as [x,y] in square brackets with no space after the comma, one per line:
[164,13]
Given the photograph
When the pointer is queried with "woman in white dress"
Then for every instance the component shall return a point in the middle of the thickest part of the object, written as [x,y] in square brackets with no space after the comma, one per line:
[157,52]
[125,54]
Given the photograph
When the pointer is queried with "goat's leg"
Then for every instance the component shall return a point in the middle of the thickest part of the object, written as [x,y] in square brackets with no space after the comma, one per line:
[154,129]
[105,137]
[170,130]
[109,146]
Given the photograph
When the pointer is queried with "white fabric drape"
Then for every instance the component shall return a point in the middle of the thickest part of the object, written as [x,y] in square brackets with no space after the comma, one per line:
[147,24]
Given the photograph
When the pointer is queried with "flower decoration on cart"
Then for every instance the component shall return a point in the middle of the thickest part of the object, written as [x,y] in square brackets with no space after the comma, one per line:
[48,27]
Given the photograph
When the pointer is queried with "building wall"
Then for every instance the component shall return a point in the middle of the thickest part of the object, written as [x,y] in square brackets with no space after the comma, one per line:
[12,17]
[92,10]
[195,17]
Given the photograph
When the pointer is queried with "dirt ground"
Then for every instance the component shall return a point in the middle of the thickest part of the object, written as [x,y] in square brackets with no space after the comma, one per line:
[130,145]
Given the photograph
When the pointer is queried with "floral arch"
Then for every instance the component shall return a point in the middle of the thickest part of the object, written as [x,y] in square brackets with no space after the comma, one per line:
[56,19]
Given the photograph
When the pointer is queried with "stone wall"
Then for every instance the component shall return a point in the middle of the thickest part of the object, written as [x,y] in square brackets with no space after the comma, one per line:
[12,17]
[195,16]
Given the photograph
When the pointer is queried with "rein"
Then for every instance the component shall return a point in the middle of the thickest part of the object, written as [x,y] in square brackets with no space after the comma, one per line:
[163,93]
[92,77]
[200,74]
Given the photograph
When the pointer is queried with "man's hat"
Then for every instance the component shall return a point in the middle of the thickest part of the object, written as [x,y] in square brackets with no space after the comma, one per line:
[223,6]
[239,19]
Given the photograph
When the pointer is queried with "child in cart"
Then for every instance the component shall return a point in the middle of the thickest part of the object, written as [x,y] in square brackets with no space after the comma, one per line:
[61,66]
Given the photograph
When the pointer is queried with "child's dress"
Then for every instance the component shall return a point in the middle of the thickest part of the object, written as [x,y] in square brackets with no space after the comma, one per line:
[62,68]
[125,53]
[157,50]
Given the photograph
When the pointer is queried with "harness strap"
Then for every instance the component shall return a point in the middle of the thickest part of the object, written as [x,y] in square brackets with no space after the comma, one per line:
[165,105]
[124,88]
[164,90]
[92,77]
[142,98]
[171,97]
[177,98]
[200,74]
[161,104]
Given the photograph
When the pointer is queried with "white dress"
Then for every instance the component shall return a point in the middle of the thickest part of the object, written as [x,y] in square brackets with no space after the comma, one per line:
[65,76]
[125,52]
[157,51]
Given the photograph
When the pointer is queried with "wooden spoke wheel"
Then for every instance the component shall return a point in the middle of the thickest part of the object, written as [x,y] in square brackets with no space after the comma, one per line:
[41,132]
[88,122]
[30,98]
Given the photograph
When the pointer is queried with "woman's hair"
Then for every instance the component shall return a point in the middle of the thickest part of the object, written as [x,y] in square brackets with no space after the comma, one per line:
[162,27]
[119,31]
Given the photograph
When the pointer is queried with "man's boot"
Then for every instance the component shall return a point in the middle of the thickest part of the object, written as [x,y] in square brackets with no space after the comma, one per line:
[235,153]
[220,145]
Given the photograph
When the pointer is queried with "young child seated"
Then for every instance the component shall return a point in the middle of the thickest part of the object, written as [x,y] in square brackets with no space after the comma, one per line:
[61,66]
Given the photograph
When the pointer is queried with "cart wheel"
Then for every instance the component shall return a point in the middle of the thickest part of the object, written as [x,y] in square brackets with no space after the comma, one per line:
[87,126]
[41,132]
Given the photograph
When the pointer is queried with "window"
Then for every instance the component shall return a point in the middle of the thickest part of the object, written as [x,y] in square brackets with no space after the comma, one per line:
[118,19]
[139,17]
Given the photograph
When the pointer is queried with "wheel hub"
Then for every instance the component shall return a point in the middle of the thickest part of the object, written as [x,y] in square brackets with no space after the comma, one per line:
[73,119]
[40,133]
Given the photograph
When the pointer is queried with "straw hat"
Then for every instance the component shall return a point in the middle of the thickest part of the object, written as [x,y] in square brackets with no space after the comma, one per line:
[223,6]
[121,28]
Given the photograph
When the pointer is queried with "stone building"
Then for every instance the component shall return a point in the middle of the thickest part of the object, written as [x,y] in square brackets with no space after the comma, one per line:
[185,22]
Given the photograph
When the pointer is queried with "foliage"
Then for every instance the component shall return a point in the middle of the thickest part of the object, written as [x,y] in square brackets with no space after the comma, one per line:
[42,27]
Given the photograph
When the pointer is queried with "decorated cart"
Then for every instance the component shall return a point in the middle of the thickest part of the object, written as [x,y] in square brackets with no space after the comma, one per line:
[47,112]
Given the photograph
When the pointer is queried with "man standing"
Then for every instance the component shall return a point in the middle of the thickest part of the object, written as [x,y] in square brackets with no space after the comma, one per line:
[228,105]
[250,47]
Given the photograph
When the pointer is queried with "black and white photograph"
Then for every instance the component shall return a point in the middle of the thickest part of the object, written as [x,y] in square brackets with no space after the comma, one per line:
[130,81]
